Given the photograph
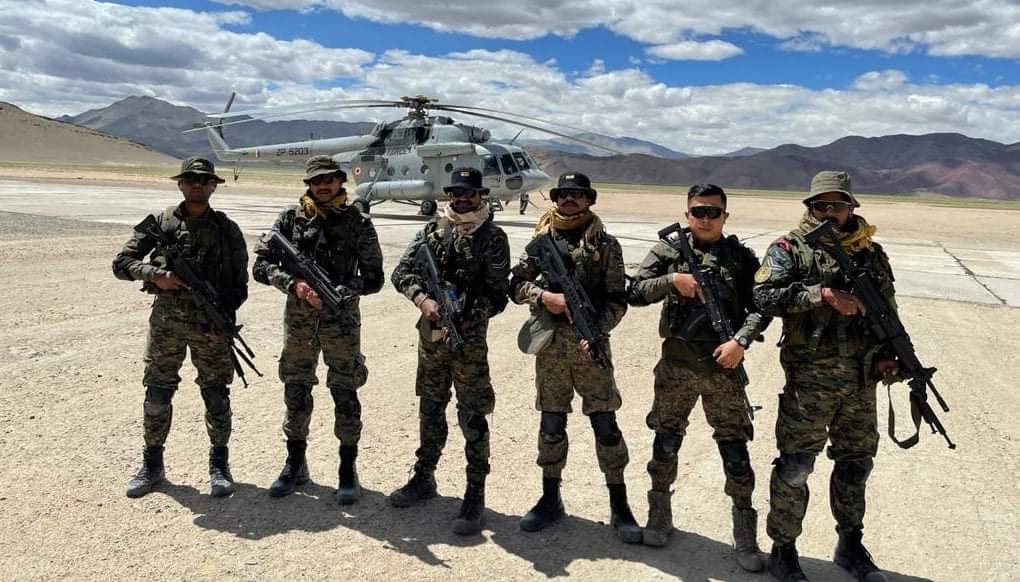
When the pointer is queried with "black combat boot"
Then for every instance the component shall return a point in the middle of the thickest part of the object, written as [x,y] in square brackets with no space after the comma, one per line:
[470,519]
[295,470]
[549,508]
[620,516]
[349,489]
[149,475]
[745,539]
[420,487]
[784,563]
[221,482]
[851,554]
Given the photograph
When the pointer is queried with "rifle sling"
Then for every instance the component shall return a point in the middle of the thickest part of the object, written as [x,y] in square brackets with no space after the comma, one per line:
[915,414]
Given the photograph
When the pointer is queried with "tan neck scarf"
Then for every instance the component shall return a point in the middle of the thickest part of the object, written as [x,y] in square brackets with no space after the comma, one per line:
[313,207]
[858,239]
[552,220]
[467,222]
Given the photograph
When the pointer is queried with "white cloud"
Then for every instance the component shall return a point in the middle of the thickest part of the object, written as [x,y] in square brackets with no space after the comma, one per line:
[880,80]
[690,50]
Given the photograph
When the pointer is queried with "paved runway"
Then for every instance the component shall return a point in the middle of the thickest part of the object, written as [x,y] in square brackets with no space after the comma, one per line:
[971,272]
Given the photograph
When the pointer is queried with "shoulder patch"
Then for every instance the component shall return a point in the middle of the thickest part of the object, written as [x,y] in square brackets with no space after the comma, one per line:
[784,243]
[763,273]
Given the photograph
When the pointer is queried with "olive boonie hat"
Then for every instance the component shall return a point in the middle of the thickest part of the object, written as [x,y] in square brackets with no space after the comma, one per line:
[573,181]
[466,179]
[197,165]
[832,181]
[322,166]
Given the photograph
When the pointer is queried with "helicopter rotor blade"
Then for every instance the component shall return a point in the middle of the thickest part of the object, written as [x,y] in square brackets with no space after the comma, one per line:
[303,108]
[521,115]
[202,126]
[535,127]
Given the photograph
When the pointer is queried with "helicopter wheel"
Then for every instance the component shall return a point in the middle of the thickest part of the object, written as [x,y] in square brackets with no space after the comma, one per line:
[428,207]
[362,205]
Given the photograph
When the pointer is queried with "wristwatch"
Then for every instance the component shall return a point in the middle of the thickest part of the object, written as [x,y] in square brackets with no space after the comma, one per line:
[742,341]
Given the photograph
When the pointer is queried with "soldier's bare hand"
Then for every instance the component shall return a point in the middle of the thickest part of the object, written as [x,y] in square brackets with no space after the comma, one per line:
[305,293]
[687,286]
[169,281]
[556,303]
[844,302]
[430,309]
[586,348]
[886,368]
[729,354]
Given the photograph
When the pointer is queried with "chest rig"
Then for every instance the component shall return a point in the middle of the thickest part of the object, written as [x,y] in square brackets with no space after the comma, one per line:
[687,319]
[331,243]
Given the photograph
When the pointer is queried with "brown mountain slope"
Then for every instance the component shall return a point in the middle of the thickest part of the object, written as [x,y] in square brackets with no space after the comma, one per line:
[25,137]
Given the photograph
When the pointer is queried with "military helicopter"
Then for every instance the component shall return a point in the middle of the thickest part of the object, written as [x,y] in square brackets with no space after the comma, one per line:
[408,160]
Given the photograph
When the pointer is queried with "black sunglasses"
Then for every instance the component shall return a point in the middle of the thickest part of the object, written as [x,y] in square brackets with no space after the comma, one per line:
[712,212]
[461,193]
[318,180]
[202,179]
[827,205]
[571,194]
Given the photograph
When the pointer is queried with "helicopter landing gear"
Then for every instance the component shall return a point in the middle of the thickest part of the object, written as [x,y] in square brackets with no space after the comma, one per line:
[362,205]
[428,208]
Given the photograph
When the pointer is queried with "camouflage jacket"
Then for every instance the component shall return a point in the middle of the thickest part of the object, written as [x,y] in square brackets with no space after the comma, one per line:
[477,265]
[789,285]
[345,246]
[599,270]
[736,265]
[214,241]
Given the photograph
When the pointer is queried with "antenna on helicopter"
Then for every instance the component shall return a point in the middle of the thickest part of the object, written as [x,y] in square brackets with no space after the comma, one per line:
[517,136]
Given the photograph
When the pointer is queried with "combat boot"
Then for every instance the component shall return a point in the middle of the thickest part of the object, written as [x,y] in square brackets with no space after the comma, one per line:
[851,554]
[349,489]
[221,482]
[784,563]
[150,475]
[295,470]
[745,539]
[420,487]
[470,519]
[660,519]
[620,516]
[549,508]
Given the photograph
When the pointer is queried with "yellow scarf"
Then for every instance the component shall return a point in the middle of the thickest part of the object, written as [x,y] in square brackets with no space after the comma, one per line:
[856,240]
[313,207]
[552,220]
[465,223]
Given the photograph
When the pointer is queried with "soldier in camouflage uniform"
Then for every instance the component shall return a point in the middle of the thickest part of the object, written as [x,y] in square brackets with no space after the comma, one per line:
[177,324]
[694,364]
[563,364]
[342,241]
[832,363]
[473,255]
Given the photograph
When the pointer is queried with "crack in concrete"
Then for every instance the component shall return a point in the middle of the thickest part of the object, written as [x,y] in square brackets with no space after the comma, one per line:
[970,273]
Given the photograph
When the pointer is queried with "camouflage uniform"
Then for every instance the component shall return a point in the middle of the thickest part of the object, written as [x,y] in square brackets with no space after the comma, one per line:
[345,246]
[830,392]
[478,266]
[177,324]
[687,370]
[562,368]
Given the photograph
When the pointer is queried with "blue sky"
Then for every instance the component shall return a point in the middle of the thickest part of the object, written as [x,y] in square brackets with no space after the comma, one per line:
[701,76]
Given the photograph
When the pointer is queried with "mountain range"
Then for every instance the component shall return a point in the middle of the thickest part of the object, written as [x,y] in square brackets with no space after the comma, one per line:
[945,163]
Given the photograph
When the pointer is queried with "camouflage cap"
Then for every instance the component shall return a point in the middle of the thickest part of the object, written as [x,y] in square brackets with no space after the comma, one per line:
[466,179]
[322,166]
[196,165]
[832,181]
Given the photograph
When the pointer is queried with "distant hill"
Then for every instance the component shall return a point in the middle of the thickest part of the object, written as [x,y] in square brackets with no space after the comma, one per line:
[159,125]
[950,164]
[25,137]
[629,145]
[743,152]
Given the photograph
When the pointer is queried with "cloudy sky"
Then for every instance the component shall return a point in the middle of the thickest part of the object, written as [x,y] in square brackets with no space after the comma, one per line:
[699,76]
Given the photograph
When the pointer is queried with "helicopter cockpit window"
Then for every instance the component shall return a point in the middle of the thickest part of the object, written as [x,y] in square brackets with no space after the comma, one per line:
[508,164]
[522,161]
[490,167]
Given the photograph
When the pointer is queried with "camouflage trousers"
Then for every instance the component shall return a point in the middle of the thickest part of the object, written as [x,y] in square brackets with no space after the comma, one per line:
[306,333]
[561,369]
[677,389]
[467,372]
[827,400]
[176,326]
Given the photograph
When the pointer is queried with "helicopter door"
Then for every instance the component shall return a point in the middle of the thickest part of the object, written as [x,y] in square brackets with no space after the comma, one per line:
[509,168]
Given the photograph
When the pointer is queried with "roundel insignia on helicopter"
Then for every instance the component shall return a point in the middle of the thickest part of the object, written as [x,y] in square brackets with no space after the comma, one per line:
[357,170]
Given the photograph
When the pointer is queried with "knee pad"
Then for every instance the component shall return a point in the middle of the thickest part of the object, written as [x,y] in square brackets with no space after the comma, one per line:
[736,460]
[795,468]
[297,396]
[217,399]
[432,409]
[665,446]
[159,396]
[606,431]
[553,427]
[345,402]
[474,426]
[854,471]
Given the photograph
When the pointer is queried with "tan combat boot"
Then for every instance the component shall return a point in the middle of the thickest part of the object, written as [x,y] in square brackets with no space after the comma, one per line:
[745,539]
[660,519]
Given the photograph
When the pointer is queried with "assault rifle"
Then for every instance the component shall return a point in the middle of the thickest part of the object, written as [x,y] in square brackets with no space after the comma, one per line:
[205,296]
[281,250]
[888,329]
[549,254]
[451,307]
[711,288]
